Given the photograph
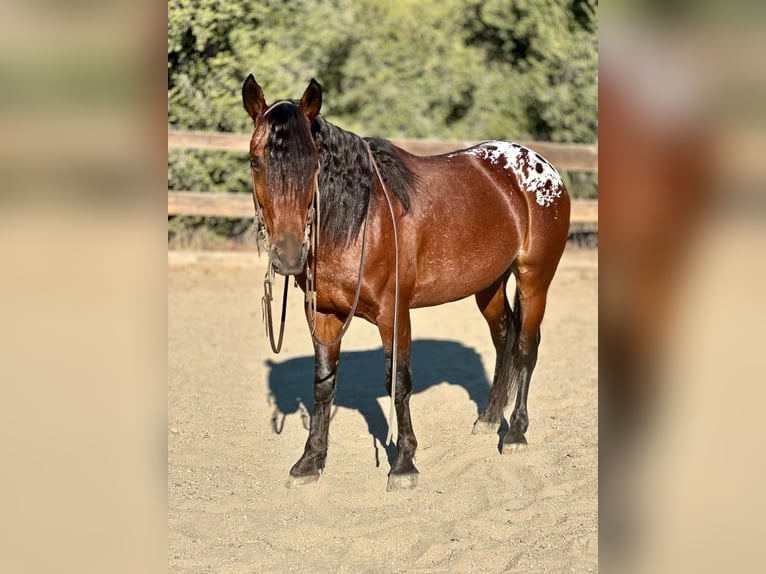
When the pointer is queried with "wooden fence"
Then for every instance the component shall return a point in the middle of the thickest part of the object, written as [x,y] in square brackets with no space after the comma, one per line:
[240,206]
[566,157]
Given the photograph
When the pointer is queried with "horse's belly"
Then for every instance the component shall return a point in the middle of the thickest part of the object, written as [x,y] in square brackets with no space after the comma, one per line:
[461,267]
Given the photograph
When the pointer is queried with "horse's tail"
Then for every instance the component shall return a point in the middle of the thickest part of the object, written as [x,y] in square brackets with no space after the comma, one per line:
[507,374]
[513,316]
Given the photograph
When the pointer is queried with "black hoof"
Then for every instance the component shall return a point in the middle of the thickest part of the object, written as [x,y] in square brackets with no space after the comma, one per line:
[304,468]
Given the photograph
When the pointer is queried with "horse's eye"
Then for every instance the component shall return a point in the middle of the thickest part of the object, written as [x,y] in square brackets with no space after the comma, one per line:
[255,165]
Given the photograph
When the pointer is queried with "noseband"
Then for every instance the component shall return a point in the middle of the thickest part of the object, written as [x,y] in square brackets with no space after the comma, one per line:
[262,233]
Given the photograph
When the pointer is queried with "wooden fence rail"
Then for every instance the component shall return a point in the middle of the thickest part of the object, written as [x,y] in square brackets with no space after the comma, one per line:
[570,157]
[566,157]
[240,206]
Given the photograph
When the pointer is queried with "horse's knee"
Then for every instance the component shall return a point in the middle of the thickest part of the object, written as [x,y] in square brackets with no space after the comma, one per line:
[403,380]
[403,388]
[324,391]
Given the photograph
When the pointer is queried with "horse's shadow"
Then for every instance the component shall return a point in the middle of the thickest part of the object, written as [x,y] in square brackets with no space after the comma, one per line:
[361,383]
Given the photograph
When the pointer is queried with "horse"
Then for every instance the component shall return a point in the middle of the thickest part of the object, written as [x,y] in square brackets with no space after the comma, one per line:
[433,230]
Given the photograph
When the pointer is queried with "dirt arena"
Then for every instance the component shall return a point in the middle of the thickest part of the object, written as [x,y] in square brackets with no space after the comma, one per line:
[237,417]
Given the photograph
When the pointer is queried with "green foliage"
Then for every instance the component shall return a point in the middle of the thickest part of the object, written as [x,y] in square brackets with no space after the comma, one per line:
[462,69]
[547,53]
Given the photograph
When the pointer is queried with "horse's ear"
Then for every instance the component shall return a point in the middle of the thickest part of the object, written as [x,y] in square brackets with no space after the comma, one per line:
[311,101]
[252,97]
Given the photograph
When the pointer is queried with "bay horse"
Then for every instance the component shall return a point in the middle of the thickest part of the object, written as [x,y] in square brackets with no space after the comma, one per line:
[458,224]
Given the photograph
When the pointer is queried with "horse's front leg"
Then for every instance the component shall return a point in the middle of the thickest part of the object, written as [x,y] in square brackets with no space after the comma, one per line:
[403,473]
[328,327]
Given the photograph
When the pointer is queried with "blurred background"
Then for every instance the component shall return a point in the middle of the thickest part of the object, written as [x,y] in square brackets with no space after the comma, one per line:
[83,235]
[82,298]
[681,140]
[682,244]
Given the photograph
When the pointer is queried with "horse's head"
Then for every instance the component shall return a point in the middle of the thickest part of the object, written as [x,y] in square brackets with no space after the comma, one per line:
[284,162]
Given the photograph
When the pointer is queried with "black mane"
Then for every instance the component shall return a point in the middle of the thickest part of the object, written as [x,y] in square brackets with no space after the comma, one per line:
[346,178]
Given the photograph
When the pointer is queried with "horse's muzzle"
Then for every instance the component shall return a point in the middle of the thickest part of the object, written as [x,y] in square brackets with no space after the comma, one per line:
[288,256]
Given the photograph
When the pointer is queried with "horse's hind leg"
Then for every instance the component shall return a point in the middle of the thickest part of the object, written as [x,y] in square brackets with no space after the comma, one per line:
[325,379]
[503,327]
[532,282]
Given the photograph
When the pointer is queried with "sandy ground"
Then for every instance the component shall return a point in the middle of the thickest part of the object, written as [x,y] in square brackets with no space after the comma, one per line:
[237,416]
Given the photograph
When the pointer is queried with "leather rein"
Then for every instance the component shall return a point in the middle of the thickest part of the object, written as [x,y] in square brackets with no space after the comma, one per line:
[310,237]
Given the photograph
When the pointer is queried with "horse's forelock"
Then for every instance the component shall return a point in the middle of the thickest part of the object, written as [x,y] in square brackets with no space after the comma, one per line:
[290,152]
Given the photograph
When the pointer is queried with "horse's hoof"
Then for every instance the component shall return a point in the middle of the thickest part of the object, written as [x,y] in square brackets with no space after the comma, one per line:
[513,444]
[295,481]
[401,481]
[485,427]
[512,447]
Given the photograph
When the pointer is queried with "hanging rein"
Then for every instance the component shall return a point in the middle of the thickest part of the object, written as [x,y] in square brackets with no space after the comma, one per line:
[310,237]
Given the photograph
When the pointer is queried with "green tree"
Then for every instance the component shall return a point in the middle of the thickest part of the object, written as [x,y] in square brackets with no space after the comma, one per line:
[464,69]
[547,52]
